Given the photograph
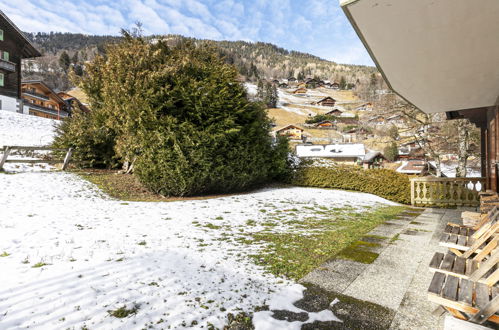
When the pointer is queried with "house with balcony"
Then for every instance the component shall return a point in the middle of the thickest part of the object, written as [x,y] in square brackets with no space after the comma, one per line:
[425,50]
[14,47]
[40,100]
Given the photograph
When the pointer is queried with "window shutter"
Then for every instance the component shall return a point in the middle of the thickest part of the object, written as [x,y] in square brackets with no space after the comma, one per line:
[6,56]
[1,35]
[1,80]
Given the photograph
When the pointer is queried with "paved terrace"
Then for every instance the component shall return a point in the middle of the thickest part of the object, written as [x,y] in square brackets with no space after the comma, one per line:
[381,281]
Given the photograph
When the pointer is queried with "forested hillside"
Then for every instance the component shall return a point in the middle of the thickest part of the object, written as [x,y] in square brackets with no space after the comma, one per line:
[65,51]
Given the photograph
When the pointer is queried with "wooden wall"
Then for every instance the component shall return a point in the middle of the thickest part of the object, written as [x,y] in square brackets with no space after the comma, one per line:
[12,80]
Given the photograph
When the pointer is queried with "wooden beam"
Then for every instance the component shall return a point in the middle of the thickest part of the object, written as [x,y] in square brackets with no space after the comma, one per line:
[67,159]
[6,153]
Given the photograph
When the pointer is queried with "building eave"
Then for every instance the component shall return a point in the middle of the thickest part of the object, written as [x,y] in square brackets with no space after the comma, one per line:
[443,49]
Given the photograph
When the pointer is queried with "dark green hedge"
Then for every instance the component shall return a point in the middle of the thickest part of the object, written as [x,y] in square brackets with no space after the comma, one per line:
[381,182]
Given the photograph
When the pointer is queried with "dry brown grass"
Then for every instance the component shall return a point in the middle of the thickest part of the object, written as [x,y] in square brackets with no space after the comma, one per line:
[283,117]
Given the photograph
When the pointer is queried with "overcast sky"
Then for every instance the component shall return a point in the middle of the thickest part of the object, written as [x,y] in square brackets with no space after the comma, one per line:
[318,27]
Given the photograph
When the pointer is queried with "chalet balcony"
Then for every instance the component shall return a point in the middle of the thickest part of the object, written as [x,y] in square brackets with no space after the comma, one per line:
[446,192]
[61,113]
[7,65]
[36,95]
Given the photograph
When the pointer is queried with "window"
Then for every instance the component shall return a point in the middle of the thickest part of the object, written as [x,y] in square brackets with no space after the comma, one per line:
[6,56]
[1,35]
[1,79]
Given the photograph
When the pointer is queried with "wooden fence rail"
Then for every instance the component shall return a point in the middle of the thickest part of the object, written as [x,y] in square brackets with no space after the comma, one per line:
[8,149]
[446,192]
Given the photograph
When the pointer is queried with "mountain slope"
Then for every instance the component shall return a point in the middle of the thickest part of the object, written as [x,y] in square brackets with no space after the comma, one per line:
[253,60]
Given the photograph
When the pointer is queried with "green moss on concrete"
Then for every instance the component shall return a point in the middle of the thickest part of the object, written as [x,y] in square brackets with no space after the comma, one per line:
[360,251]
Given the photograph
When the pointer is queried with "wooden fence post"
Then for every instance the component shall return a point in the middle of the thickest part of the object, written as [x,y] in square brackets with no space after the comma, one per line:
[6,152]
[67,159]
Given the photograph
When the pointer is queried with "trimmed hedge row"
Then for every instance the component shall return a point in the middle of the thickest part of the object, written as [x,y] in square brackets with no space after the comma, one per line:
[381,182]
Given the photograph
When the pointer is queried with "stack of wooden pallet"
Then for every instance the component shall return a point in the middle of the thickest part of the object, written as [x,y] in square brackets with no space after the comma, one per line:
[487,201]
[466,278]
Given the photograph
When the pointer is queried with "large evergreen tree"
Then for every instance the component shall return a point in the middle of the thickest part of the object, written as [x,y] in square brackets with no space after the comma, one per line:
[178,114]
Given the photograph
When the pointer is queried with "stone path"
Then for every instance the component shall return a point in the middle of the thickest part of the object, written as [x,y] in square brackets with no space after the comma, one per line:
[389,268]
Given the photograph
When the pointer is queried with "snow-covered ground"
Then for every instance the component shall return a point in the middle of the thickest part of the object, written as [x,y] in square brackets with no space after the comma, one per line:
[178,262]
[25,130]
[69,254]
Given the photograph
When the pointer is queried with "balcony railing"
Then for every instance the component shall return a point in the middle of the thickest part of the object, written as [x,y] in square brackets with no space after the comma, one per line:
[61,113]
[446,192]
[7,65]
[35,94]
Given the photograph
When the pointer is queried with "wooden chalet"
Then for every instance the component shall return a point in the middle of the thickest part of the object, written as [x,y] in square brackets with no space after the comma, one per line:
[291,79]
[365,107]
[276,81]
[335,86]
[72,102]
[373,159]
[328,124]
[300,90]
[283,85]
[327,102]
[334,112]
[40,100]
[14,47]
[291,131]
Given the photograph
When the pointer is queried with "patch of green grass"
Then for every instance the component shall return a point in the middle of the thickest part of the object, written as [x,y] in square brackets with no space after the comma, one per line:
[212,226]
[4,254]
[293,254]
[39,264]
[123,312]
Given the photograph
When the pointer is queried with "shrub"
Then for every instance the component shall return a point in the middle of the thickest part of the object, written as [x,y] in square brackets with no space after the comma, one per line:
[179,115]
[381,182]
[92,141]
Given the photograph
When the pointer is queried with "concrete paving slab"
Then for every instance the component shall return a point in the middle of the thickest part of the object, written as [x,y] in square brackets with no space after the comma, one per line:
[335,275]
[380,285]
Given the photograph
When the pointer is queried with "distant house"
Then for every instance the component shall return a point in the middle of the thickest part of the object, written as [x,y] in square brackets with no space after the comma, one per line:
[311,83]
[291,131]
[417,167]
[291,79]
[327,102]
[373,159]
[283,85]
[335,86]
[343,153]
[72,102]
[334,112]
[40,100]
[300,90]
[377,120]
[326,124]
[275,81]
[365,107]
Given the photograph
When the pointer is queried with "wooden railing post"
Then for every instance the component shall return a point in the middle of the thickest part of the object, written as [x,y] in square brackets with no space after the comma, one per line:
[67,159]
[6,152]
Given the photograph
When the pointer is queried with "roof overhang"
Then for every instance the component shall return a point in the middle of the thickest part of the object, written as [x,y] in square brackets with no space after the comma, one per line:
[438,55]
[27,48]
